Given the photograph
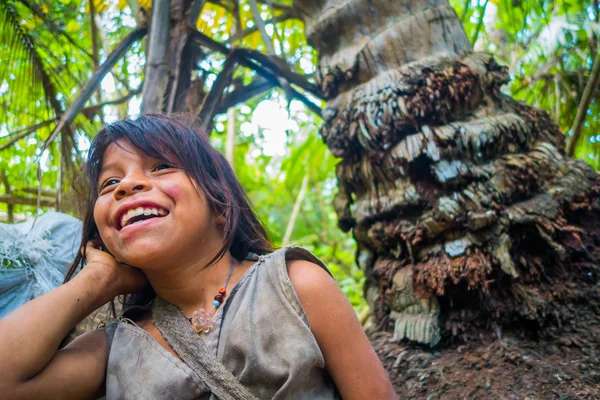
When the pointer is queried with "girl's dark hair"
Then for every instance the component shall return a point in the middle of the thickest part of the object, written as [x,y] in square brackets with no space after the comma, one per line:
[173,140]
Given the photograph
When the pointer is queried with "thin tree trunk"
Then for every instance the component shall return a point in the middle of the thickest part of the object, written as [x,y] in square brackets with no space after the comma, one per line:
[8,190]
[557,96]
[134,6]
[479,23]
[95,48]
[586,98]
[62,153]
[260,24]
[296,210]
[230,140]
[157,67]
[94,34]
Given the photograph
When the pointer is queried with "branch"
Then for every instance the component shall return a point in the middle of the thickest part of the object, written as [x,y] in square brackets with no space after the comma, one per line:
[94,108]
[276,33]
[134,6]
[89,88]
[204,40]
[248,31]
[479,24]
[44,192]
[566,88]
[260,24]
[272,63]
[211,102]
[245,93]
[24,133]
[292,222]
[541,73]
[249,59]
[194,12]
[285,85]
[586,98]
[309,104]
[465,10]
[278,6]
[27,201]
[275,5]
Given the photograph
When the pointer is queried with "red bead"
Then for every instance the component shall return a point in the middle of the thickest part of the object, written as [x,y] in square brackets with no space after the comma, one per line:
[222,291]
[219,298]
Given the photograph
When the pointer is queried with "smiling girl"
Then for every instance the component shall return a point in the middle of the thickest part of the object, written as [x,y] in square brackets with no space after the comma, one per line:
[212,311]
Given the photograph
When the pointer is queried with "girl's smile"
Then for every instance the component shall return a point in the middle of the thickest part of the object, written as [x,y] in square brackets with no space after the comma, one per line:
[136,211]
[144,209]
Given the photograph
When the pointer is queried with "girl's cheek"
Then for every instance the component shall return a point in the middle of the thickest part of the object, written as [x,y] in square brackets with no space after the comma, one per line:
[97,212]
[173,191]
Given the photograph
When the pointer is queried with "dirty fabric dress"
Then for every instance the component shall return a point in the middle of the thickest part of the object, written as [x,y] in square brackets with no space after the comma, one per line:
[262,336]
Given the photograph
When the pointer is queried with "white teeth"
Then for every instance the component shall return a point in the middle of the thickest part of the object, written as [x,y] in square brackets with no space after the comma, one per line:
[134,212]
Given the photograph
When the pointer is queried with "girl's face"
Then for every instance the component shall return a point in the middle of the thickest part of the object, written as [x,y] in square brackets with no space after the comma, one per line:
[151,214]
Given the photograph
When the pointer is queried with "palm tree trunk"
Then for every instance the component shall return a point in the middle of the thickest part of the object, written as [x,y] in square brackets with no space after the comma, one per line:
[467,213]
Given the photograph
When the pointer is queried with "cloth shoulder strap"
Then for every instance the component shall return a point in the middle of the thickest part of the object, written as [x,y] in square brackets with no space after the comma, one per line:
[184,340]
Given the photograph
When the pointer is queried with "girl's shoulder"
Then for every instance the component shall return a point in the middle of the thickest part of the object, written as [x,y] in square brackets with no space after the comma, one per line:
[284,273]
[293,255]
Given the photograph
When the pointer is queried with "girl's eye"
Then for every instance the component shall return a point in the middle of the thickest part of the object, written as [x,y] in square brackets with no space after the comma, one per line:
[162,166]
[109,182]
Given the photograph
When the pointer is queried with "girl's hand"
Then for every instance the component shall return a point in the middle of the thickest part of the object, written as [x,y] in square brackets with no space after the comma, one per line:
[120,277]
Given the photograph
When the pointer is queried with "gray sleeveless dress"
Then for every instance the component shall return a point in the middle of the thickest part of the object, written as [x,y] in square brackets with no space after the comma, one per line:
[263,337]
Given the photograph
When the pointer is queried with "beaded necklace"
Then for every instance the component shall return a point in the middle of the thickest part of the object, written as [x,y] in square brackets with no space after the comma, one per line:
[201,320]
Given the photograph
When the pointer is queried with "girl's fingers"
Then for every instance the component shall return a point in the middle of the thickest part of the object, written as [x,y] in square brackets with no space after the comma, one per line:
[93,244]
[97,242]
[85,249]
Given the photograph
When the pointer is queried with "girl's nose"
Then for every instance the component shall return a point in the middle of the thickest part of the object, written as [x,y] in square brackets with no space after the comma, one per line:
[129,186]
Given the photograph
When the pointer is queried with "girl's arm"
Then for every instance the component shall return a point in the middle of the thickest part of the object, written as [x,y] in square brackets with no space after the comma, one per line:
[31,367]
[349,357]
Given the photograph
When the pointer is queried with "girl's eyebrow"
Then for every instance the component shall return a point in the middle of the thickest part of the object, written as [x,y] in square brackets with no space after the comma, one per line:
[108,166]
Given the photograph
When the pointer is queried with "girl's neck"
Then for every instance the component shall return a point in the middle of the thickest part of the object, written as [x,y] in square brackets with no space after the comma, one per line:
[191,285]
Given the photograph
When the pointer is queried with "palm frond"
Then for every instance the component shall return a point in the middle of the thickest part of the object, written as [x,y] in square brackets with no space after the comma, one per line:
[22,73]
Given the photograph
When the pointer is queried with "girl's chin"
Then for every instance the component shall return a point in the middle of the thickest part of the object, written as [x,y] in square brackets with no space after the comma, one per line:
[140,258]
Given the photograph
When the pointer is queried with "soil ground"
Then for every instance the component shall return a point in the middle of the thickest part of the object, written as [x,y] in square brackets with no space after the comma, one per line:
[512,367]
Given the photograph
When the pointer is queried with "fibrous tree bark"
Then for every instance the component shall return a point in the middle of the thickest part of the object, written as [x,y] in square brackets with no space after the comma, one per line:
[469,218]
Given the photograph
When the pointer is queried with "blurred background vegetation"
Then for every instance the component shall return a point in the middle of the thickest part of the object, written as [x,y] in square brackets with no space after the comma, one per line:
[50,48]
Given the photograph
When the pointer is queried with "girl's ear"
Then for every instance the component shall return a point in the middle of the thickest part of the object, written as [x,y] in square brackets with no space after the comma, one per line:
[220,220]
